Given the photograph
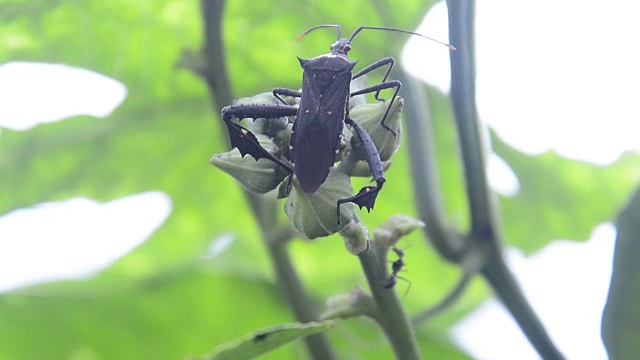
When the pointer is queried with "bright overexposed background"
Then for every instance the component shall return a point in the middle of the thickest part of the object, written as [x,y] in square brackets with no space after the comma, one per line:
[548,78]
[542,68]
[566,77]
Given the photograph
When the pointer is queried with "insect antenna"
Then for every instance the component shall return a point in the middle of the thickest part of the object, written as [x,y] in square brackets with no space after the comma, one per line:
[338,28]
[356,31]
[398,30]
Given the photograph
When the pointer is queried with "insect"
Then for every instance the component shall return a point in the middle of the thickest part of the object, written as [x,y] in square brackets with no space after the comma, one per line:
[396,267]
[320,118]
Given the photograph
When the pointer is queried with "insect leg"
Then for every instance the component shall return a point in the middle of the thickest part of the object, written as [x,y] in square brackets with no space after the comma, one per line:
[378,64]
[382,86]
[244,139]
[396,267]
[286,92]
[366,197]
[408,287]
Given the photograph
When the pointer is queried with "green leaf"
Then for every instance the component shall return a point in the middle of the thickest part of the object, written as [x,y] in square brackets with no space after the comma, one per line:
[370,115]
[265,340]
[180,311]
[561,198]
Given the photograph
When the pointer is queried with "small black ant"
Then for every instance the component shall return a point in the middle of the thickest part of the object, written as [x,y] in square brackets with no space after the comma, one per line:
[396,267]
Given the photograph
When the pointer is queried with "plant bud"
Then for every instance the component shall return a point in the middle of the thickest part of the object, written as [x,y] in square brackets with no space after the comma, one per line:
[357,84]
[343,306]
[356,238]
[370,117]
[259,176]
[361,169]
[396,227]
[269,127]
[315,215]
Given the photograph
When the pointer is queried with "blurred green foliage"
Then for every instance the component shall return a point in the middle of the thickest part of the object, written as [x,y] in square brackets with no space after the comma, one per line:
[163,300]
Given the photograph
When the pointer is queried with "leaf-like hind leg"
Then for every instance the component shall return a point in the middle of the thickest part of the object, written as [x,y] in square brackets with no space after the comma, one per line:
[366,197]
[245,140]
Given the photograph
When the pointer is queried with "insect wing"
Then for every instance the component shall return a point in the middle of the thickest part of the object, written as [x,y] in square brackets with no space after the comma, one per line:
[320,121]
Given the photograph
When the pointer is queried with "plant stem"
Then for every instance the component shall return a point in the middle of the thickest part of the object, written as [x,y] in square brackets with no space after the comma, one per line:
[424,170]
[470,133]
[485,235]
[621,318]
[505,285]
[264,208]
[391,315]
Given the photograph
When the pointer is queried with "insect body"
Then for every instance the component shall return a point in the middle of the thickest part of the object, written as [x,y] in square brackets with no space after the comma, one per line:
[320,118]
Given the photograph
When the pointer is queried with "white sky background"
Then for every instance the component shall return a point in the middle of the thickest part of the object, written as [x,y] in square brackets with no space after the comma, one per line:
[567,284]
[551,75]
[36,93]
[76,238]
[559,75]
